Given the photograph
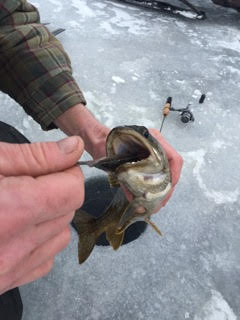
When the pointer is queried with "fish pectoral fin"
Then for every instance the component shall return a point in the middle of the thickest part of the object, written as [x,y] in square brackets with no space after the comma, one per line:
[153,226]
[115,239]
[133,210]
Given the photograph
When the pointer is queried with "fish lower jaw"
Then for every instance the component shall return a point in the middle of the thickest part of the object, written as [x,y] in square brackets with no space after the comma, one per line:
[153,196]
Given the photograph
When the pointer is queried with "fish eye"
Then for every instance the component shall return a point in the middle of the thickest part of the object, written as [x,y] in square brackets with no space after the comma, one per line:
[145,133]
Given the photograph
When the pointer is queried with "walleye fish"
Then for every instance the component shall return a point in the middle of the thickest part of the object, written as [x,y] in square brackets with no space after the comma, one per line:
[146,175]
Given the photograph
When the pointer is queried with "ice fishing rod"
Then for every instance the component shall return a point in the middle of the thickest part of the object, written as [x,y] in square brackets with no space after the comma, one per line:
[186,115]
[166,110]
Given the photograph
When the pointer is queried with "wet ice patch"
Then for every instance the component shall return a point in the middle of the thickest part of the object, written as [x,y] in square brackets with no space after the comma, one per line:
[216,309]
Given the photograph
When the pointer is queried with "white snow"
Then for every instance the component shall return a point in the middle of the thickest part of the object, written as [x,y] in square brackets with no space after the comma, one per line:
[216,309]
[187,14]
[118,79]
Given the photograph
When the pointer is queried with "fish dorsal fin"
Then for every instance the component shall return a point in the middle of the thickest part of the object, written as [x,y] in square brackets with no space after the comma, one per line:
[113,238]
[153,226]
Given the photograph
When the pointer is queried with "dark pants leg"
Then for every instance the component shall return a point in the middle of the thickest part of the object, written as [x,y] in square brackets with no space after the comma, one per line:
[11,307]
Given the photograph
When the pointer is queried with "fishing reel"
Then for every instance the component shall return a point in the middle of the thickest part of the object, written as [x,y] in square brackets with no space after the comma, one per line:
[186,114]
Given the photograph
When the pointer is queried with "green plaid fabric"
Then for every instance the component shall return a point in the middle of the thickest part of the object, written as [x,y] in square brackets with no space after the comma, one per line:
[34,68]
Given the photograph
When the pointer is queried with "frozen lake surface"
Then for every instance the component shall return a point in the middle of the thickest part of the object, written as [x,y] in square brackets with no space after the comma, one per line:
[128,61]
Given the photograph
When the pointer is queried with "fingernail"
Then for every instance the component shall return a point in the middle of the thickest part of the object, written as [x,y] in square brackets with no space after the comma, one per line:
[68,145]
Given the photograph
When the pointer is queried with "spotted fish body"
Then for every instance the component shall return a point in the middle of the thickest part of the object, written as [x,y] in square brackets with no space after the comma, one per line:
[148,179]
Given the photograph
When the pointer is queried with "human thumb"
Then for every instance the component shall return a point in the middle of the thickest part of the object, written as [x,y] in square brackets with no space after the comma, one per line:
[39,158]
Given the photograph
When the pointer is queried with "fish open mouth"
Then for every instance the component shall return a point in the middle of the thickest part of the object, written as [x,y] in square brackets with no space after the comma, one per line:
[124,146]
[128,147]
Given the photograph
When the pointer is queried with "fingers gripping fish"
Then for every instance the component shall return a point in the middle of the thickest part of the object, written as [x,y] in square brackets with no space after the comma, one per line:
[146,175]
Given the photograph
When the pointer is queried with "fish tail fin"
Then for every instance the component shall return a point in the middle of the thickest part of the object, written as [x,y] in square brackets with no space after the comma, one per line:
[85,225]
[115,239]
[86,244]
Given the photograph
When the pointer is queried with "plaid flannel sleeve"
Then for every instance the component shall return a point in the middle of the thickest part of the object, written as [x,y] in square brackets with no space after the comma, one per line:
[34,68]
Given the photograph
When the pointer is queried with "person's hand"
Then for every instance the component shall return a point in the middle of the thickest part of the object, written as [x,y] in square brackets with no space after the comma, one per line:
[175,163]
[78,120]
[40,191]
